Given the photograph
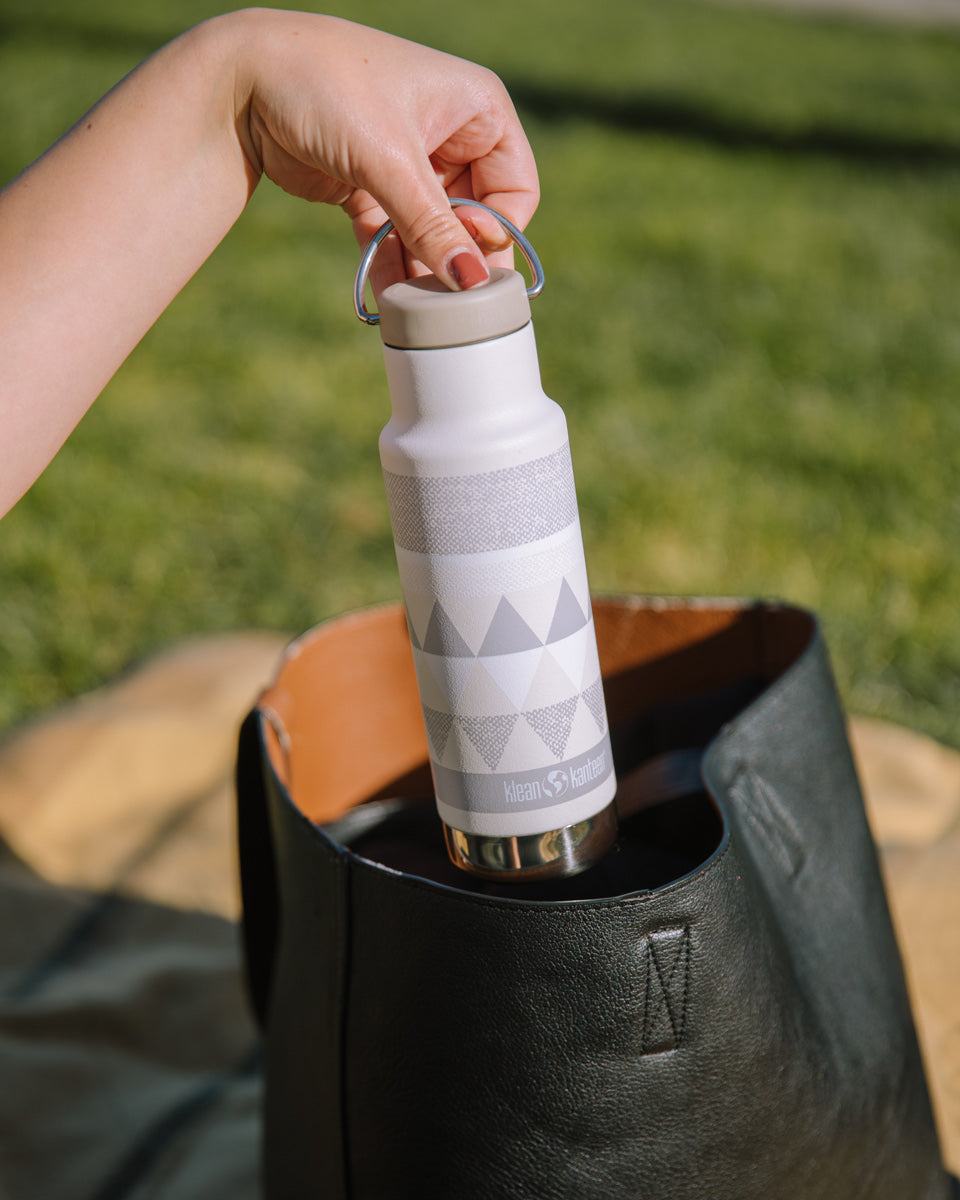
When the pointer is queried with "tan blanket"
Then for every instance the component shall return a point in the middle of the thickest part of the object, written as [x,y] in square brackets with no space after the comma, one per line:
[129,1061]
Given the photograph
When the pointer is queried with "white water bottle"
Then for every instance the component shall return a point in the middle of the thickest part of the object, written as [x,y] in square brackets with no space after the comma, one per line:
[477,467]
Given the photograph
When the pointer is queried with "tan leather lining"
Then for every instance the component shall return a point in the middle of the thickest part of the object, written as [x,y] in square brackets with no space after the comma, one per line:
[343,721]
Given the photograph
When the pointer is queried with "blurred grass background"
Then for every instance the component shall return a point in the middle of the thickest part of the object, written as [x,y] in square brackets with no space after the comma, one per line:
[751,231]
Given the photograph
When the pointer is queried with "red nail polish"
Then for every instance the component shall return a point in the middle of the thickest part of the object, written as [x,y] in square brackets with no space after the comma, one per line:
[467,270]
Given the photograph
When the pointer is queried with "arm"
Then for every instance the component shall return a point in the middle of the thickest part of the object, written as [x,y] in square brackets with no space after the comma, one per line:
[99,235]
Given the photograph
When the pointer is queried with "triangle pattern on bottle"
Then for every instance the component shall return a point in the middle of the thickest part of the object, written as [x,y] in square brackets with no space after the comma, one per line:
[568,616]
[461,754]
[583,732]
[431,694]
[580,586]
[438,728]
[525,751]
[550,684]
[482,695]
[593,699]
[443,637]
[508,633]
[514,673]
[471,615]
[419,609]
[535,605]
[489,734]
[451,676]
[571,653]
[553,723]
[591,662]
[414,640]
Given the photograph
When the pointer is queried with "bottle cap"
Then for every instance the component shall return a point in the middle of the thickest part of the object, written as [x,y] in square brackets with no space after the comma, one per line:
[423,314]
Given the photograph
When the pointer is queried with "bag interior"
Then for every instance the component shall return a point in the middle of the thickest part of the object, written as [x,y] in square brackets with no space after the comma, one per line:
[345,738]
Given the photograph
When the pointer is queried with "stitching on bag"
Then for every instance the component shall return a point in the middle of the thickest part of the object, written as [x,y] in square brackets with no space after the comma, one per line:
[665,993]
[768,817]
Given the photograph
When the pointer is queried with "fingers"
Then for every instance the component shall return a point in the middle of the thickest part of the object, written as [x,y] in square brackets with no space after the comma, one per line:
[450,131]
[392,262]
[501,173]
[476,149]
[453,244]
[433,241]
[435,236]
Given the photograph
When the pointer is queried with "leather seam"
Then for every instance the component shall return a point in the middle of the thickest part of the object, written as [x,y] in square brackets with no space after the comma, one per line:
[551,908]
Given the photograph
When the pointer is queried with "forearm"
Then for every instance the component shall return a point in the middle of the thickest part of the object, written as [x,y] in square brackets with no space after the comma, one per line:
[101,233]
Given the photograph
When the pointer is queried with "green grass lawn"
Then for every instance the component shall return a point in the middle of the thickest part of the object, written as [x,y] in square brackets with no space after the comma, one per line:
[751,231]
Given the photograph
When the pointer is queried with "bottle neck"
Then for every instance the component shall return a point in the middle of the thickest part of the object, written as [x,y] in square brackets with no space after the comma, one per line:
[481,381]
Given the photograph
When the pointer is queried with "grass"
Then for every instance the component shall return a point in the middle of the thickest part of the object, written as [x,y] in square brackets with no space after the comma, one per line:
[751,231]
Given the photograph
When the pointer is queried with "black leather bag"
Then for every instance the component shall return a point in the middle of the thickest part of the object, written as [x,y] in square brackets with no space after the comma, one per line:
[718,1010]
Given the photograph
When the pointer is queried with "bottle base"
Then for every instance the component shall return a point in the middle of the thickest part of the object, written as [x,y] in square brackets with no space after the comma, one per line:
[536,856]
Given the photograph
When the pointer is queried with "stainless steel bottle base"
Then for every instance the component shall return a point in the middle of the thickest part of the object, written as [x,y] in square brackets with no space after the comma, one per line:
[534,856]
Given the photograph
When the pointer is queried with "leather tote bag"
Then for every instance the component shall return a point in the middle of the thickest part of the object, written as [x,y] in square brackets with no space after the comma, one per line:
[716,1011]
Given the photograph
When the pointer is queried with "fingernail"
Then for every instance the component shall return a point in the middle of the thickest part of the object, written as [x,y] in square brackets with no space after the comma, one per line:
[468,270]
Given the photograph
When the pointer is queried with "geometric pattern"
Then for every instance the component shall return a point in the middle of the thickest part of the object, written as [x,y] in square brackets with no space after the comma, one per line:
[442,637]
[768,817]
[484,715]
[483,663]
[593,698]
[666,962]
[568,617]
[507,633]
[489,735]
[438,728]
[414,640]
[553,723]
[499,614]
[495,510]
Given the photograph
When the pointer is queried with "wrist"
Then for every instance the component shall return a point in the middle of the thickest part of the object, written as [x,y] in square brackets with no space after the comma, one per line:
[225,47]
[260,46]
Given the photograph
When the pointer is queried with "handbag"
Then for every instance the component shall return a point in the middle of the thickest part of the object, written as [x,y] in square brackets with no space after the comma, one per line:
[716,1010]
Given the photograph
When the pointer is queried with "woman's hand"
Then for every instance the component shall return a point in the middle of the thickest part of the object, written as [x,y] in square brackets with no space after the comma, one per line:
[386,128]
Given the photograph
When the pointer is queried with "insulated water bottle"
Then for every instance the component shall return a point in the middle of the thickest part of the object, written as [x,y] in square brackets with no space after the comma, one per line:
[480,488]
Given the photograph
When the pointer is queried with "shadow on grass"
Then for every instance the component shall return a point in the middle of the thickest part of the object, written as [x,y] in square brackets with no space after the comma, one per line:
[642,112]
[675,117]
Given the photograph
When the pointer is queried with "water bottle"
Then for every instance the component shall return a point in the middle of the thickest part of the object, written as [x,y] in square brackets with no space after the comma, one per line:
[476,463]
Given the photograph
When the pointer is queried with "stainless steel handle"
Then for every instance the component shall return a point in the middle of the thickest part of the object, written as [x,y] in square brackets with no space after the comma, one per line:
[533,262]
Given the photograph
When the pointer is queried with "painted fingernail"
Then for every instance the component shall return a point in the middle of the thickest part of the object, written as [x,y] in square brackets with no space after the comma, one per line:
[468,270]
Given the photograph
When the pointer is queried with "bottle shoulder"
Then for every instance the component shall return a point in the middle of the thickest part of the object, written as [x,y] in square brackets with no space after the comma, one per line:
[478,441]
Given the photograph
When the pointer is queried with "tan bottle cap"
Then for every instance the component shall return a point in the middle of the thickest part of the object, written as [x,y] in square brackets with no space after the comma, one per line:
[423,314]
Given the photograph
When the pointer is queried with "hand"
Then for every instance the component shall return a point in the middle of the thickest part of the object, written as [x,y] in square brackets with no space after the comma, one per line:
[386,128]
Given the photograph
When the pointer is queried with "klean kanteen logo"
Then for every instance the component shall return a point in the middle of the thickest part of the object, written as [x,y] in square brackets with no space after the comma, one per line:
[516,791]
[557,783]
[594,768]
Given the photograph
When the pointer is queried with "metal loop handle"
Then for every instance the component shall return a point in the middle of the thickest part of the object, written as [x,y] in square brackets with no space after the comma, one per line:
[533,262]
